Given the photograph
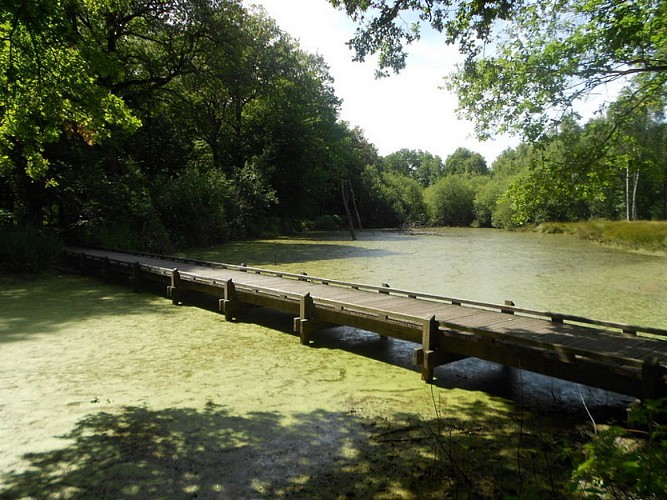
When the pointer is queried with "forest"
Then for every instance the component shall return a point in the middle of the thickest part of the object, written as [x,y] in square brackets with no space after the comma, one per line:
[164,124]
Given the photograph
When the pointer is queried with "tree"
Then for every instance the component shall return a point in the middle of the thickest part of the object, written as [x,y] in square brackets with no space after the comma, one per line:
[451,201]
[637,154]
[422,166]
[555,54]
[50,83]
[465,161]
[392,199]
[70,69]
[525,74]
[384,30]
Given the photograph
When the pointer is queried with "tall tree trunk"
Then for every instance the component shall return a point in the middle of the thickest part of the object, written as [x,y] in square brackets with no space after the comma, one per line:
[354,205]
[350,225]
[627,193]
[634,195]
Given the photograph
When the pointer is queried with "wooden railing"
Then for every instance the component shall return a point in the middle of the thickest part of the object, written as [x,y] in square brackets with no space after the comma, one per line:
[508,308]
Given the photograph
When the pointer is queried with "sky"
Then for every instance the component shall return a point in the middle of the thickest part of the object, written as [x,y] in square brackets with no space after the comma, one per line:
[409,110]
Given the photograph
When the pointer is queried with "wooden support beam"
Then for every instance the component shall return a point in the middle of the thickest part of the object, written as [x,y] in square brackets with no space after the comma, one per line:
[134,277]
[302,324]
[651,375]
[228,305]
[173,290]
[106,269]
[429,333]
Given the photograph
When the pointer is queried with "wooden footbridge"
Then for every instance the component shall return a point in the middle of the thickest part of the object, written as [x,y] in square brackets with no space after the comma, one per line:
[625,359]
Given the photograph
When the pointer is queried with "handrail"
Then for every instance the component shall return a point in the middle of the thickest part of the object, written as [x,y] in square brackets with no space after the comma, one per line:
[510,309]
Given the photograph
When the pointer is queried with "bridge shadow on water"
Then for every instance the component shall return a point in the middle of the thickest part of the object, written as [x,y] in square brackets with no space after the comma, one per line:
[533,391]
[212,453]
[469,449]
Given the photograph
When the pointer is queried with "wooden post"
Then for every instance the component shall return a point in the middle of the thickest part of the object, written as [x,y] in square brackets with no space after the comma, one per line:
[173,290]
[429,332]
[134,279]
[507,310]
[227,304]
[106,269]
[302,323]
[651,378]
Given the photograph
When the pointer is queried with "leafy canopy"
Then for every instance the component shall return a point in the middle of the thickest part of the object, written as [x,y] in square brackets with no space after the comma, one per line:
[68,68]
[49,82]
[526,63]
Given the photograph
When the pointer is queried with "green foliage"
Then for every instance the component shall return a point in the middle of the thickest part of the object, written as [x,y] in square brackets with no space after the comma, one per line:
[240,131]
[193,206]
[424,167]
[107,210]
[620,465]
[26,248]
[49,82]
[638,235]
[525,74]
[451,201]
[217,89]
[384,31]
[392,200]
[486,202]
[250,200]
[323,223]
[464,161]
[556,53]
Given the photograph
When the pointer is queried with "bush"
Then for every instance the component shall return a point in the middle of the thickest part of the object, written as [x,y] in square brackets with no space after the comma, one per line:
[26,248]
[392,200]
[451,201]
[620,464]
[323,223]
[192,207]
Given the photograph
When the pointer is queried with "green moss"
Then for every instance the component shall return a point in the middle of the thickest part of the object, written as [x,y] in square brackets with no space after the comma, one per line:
[649,236]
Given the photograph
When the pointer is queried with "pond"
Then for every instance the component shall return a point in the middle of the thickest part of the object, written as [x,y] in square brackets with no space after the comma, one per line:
[557,273]
[108,393]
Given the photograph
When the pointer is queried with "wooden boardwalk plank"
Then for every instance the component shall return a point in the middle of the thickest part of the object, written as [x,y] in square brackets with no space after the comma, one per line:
[474,322]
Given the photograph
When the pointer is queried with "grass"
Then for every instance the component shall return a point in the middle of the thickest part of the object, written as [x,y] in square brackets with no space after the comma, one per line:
[650,236]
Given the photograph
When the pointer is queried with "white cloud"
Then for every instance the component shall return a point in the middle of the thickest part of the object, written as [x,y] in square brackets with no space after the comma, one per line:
[408,110]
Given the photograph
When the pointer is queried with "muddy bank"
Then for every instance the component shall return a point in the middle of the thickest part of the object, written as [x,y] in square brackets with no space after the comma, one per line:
[108,393]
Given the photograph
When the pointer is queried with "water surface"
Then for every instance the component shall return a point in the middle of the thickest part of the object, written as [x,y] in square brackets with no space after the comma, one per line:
[557,273]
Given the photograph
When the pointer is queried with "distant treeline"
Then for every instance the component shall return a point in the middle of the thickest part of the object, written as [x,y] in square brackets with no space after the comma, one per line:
[163,124]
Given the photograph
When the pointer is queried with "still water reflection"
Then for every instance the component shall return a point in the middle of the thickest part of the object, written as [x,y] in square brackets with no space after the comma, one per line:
[548,272]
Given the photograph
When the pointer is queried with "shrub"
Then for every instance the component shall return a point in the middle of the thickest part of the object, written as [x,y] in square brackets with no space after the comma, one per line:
[451,201]
[26,248]
[619,464]
[192,207]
